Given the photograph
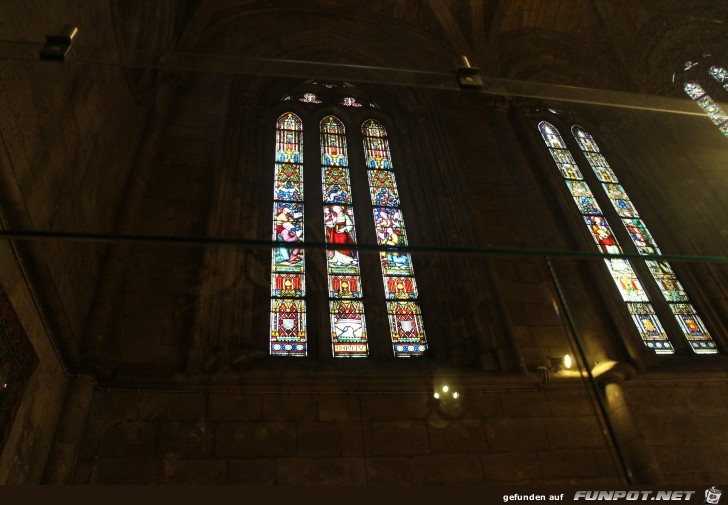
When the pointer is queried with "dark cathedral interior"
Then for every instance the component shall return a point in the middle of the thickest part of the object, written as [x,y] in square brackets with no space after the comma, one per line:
[278,242]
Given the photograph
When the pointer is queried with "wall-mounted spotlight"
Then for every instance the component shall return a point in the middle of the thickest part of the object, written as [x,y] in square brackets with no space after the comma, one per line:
[558,364]
[554,365]
[468,76]
[58,47]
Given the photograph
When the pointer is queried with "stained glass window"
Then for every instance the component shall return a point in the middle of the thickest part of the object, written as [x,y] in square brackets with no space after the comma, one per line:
[350,101]
[670,287]
[720,74]
[348,324]
[309,98]
[713,110]
[400,289]
[621,271]
[288,287]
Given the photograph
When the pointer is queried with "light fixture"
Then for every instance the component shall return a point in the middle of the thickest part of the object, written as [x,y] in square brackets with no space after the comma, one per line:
[447,401]
[468,76]
[445,393]
[558,364]
[59,47]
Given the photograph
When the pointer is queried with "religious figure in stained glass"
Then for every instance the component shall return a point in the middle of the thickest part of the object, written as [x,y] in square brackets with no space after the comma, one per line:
[340,231]
[400,288]
[288,308]
[705,102]
[348,323]
[621,271]
[661,271]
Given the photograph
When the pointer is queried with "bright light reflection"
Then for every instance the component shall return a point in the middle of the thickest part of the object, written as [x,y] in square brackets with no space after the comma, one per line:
[567,361]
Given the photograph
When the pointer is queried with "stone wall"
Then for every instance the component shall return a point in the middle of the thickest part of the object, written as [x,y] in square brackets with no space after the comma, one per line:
[685,424]
[343,438]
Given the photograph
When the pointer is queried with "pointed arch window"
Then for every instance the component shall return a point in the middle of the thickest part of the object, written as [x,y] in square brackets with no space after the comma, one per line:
[633,294]
[672,290]
[288,286]
[698,94]
[720,74]
[400,288]
[716,114]
[348,323]
[344,280]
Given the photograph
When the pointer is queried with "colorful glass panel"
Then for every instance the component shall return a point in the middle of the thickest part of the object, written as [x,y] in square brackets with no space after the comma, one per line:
[337,188]
[563,157]
[621,202]
[621,271]
[601,167]
[383,188]
[350,101]
[692,325]
[288,185]
[376,146]
[640,236]
[348,328]
[405,317]
[602,234]
[713,110]
[650,328]
[720,74]
[661,271]
[309,98]
[288,327]
[626,280]
[348,324]
[583,197]
[288,287]
[408,334]
[400,288]
[693,90]
[666,280]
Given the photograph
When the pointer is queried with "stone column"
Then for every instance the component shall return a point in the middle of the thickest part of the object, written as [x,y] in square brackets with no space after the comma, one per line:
[637,456]
[63,454]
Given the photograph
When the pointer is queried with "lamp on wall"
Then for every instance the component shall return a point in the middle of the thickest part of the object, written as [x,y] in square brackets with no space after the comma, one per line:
[554,365]
[558,364]
[58,47]
[468,76]
[447,402]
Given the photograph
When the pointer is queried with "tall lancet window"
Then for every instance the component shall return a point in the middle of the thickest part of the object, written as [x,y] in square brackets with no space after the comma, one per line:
[288,287]
[670,287]
[348,325]
[634,296]
[400,289]
[720,74]
[716,114]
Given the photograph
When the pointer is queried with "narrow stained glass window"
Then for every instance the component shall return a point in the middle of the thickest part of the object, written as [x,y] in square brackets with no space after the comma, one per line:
[348,325]
[712,109]
[670,287]
[400,288]
[623,275]
[720,74]
[288,287]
